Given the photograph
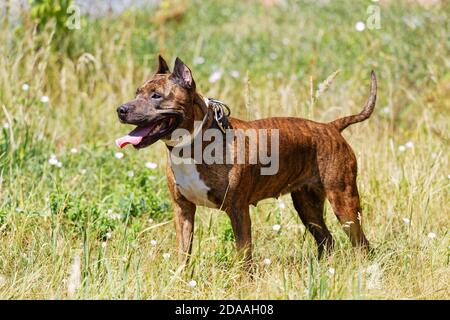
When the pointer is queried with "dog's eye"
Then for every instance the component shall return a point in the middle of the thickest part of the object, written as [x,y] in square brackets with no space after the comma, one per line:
[156,95]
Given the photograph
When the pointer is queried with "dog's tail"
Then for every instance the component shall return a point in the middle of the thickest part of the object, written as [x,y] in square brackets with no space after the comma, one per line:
[367,110]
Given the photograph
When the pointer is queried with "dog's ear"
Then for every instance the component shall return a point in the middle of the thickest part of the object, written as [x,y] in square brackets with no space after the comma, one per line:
[162,67]
[182,74]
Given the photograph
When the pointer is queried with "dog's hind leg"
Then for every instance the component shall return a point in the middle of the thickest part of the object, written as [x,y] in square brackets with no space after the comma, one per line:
[309,205]
[338,176]
[345,204]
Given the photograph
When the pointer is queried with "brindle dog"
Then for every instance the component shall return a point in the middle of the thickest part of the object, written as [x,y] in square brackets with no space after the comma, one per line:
[315,162]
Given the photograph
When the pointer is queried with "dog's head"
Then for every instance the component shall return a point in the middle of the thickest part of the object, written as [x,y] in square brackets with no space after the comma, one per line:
[162,104]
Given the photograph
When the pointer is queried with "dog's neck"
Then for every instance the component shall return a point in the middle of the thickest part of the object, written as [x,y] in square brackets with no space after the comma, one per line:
[202,119]
[201,109]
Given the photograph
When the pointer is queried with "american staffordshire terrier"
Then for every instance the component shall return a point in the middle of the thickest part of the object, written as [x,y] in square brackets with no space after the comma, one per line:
[314,160]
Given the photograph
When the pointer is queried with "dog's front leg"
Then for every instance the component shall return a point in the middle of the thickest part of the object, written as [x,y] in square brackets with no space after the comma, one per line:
[241,224]
[184,213]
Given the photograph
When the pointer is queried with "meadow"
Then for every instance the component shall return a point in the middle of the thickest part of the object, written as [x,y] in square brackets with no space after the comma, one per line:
[81,219]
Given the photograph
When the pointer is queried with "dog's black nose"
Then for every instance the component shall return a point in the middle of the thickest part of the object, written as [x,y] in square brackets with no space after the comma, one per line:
[122,110]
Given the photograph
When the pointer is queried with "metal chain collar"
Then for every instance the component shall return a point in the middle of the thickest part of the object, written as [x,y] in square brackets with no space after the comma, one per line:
[220,116]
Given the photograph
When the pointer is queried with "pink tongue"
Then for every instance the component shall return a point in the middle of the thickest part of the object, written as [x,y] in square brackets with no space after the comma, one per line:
[134,137]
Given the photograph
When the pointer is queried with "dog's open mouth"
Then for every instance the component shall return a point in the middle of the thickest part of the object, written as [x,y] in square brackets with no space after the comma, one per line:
[144,136]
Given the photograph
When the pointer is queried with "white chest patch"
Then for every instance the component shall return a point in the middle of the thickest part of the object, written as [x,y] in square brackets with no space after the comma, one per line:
[188,181]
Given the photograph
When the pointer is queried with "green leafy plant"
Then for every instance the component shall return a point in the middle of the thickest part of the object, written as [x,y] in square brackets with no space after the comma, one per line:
[53,17]
[45,11]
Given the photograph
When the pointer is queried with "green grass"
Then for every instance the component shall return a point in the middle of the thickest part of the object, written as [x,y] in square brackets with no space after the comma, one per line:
[92,209]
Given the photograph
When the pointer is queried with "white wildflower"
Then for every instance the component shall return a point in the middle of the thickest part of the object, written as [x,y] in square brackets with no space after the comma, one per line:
[150,221]
[431,235]
[113,216]
[234,73]
[53,161]
[151,177]
[281,204]
[215,76]
[153,242]
[273,56]
[83,171]
[386,110]
[118,155]
[199,60]
[332,271]
[406,221]
[360,26]
[401,148]
[73,150]
[276,227]
[104,244]
[130,174]
[409,145]
[25,87]
[192,283]
[6,125]
[151,165]
[108,235]
[166,255]
[267,261]
[45,99]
